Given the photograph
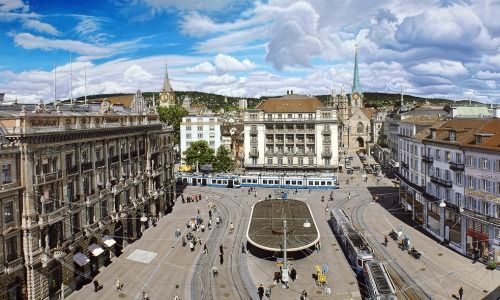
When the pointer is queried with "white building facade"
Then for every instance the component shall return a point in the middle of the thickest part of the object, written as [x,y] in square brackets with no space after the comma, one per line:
[197,128]
[291,132]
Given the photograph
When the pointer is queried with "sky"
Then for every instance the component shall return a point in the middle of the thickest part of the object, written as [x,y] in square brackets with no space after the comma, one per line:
[245,48]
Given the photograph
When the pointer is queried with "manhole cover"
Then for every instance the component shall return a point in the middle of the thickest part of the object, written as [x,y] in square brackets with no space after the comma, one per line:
[352,283]
[319,292]
[222,286]
[440,254]
[122,295]
[226,295]
[336,249]
[422,269]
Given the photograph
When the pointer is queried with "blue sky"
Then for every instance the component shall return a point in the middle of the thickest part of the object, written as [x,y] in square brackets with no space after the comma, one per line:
[434,48]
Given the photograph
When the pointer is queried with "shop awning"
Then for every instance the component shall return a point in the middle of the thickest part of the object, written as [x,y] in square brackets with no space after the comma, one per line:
[108,241]
[95,250]
[80,259]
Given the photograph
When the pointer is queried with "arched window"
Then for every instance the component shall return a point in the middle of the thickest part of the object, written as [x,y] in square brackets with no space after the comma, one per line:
[360,128]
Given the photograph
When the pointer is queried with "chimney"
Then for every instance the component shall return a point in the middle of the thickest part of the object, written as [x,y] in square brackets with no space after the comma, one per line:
[496,111]
[287,92]
[453,112]
[2,95]
[291,92]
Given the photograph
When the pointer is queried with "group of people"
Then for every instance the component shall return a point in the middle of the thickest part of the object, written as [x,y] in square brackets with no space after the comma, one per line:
[193,198]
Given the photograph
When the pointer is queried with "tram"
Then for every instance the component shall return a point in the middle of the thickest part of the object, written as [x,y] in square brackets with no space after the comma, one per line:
[353,243]
[378,282]
[257,180]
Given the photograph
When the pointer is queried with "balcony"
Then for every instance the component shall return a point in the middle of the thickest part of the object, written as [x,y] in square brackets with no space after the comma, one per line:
[310,141]
[133,154]
[269,152]
[114,159]
[254,153]
[124,156]
[13,265]
[142,151]
[443,182]
[300,141]
[72,170]
[426,158]
[100,163]
[300,152]
[49,177]
[53,217]
[253,131]
[326,154]
[310,153]
[254,141]
[326,131]
[457,167]
[86,166]
[404,165]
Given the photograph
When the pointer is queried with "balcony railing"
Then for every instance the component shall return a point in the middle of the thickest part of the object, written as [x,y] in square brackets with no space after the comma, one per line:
[443,182]
[269,152]
[72,170]
[86,166]
[326,154]
[45,178]
[404,165]
[455,166]
[100,163]
[326,131]
[124,156]
[310,153]
[13,265]
[114,159]
[133,154]
[427,158]
[254,141]
[254,153]
[53,217]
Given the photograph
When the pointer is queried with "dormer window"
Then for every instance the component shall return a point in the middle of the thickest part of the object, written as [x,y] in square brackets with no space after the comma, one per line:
[433,133]
[478,140]
[452,135]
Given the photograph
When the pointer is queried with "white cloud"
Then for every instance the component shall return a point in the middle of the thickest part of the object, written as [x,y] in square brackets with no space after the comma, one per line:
[224,79]
[86,26]
[160,5]
[13,5]
[204,67]
[40,27]
[445,68]
[137,75]
[225,63]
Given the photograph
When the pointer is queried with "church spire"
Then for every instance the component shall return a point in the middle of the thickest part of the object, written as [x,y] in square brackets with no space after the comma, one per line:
[356,85]
[166,82]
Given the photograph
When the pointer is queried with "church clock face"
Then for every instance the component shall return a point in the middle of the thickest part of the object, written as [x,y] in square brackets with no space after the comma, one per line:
[355,96]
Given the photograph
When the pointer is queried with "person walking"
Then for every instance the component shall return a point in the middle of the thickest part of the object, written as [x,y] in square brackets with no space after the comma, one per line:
[119,285]
[221,249]
[214,271]
[461,292]
[385,240]
[260,291]
[221,258]
[205,249]
[145,296]
[96,286]
[293,274]
[176,297]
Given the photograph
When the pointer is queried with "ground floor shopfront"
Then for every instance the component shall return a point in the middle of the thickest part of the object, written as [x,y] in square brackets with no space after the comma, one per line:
[466,232]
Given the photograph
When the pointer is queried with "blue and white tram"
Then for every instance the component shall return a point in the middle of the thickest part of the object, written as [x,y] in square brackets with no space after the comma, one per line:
[224,181]
[289,182]
[378,282]
[353,243]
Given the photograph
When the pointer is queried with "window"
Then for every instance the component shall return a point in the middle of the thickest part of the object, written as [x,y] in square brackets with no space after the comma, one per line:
[280,116]
[301,161]
[188,128]
[188,135]
[360,128]
[8,211]
[458,178]
[269,161]
[212,128]
[289,116]
[438,154]
[211,120]
[6,173]
[200,128]
[212,135]
[212,143]
[447,155]
[300,116]
[188,120]
[11,248]
[310,116]
[290,161]
[200,135]
[484,163]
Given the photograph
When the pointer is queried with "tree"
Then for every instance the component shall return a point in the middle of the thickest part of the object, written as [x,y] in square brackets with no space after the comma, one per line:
[172,115]
[223,161]
[199,153]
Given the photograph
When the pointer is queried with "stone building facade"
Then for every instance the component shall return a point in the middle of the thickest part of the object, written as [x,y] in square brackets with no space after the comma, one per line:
[91,180]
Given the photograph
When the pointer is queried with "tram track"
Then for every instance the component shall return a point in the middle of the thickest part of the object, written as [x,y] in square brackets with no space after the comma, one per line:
[404,282]
[202,276]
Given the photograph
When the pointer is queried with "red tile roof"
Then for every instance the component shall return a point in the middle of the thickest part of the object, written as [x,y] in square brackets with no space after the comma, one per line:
[291,104]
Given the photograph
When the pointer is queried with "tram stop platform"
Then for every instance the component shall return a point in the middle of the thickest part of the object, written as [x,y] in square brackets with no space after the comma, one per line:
[265,230]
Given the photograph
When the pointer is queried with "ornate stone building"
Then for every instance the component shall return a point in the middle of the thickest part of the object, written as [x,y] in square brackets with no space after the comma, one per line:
[167,94]
[86,182]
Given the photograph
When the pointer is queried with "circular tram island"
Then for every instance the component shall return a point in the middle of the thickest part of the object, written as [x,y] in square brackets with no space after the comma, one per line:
[266,229]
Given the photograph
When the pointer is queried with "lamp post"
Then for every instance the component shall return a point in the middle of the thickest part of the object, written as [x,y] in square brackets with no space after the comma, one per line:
[284,270]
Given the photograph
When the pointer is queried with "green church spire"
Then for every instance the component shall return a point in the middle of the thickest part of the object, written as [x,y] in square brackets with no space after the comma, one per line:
[356,85]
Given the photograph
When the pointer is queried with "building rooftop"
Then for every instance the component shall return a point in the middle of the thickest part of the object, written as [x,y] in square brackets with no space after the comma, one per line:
[291,104]
[266,225]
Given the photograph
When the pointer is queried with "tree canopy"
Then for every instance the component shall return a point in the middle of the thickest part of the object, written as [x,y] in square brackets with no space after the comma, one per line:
[172,115]
[223,161]
[199,153]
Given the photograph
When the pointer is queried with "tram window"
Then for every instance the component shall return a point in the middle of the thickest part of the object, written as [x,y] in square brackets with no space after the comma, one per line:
[287,182]
[276,182]
[299,182]
[264,181]
[329,183]
[294,182]
[224,182]
[360,263]
[316,183]
[218,182]
[310,183]
[243,180]
[322,183]
[254,180]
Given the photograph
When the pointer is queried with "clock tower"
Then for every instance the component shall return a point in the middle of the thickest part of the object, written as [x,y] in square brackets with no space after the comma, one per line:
[357,93]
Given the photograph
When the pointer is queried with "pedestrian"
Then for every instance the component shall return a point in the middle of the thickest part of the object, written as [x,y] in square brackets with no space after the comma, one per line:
[210,213]
[221,258]
[221,249]
[260,291]
[349,196]
[205,249]
[322,198]
[214,271]
[268,292]
[461,292]
[145,296]
[217,221]
[303,296]
[176,297]
[243,248]
[191,246]
[385,240]
[293,274]
[202,227]
[96,286]
[119,285]
[318,246]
